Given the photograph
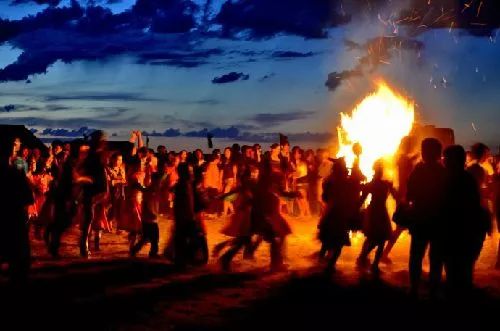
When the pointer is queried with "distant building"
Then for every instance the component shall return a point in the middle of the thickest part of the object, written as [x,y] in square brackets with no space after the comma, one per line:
[10,132]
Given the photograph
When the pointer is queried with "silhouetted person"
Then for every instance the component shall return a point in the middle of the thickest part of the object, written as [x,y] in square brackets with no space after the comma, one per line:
[15,197]
[333,227]
[92,193]
[426,195]
[377,227]
[466,226]
[405,164]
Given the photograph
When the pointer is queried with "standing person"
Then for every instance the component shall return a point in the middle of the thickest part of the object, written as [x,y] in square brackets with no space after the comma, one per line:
[229,173]
[118,181]
[15,197]
[212,182]
[186,228]
[426,196]
[334,223]
[465,225]
[133,206]
[95,191]
[149,217]
[324,170]
[300,181]
[377,227]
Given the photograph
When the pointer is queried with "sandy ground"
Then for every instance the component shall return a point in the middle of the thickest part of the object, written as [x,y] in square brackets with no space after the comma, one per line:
[111,291]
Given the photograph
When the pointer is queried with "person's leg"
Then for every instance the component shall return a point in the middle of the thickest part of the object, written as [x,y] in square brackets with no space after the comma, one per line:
[497,265]
[436,257]
[418,246]
[97,240]
[86,226]
[390,244]
[155,239]
[277,254]
[378,256]
[332,262]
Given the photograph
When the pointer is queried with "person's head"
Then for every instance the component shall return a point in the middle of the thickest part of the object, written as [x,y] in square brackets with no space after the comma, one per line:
[16,145]
[142,152]
[83,151]
[479,152]
[36,153]
[116,159]
[296,153]
[275,150]
[248,152]
[378,168]
[286,147]
[431,150]
[198,154]
[32,163]
[236,148]
[339,169]
[97,140]
[227,153]
[454,157]
[56,147]
[183,155]
[257,149]
[161,150]
[357,149]
[309,156]
[25,152]
[216,153]
[151,152]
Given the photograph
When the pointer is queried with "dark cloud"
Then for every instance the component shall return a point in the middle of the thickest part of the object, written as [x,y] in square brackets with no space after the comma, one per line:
[99,97]
[291,54]
[81,132]
[39,2]
[264,18]
[267,76]
[335,79]
[75,32]
[231,132]
[230,77]
[375,52]
[167,133]
[273,119]
[8,108]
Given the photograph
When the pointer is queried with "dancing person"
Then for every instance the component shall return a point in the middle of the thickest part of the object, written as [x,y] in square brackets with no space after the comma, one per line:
[229,174]
[405,164]
[117,181]
[300,181]
[339,207]
[377,227]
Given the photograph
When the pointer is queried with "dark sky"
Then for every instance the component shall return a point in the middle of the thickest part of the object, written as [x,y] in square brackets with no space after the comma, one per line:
[245,68]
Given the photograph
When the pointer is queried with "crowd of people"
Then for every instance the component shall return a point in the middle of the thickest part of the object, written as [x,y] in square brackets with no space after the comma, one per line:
[446,199]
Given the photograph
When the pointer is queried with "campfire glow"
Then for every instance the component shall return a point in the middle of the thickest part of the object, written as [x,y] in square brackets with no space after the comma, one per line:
[377,123]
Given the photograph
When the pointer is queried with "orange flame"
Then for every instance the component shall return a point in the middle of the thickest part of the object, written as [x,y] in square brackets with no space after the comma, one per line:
[377,123]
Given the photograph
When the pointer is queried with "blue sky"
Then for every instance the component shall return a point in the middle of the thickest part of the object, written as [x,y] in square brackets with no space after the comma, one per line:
[257,66]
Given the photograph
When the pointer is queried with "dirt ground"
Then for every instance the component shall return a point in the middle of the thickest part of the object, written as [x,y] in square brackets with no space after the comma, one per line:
[111,291]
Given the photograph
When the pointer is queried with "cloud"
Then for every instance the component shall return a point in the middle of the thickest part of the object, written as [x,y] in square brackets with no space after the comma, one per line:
[267,76]
[93,32]
[335,79]
[375,52]
[97,96]
[291,54]
[81,132]
[8,108]
[230,77]
[39,2]
[273,119]
[264,18]
[167,133]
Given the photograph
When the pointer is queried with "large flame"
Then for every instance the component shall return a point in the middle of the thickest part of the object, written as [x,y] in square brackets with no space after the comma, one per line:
[378,123]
